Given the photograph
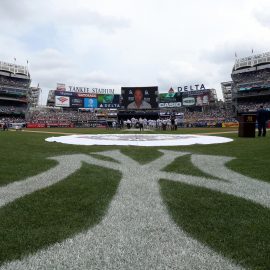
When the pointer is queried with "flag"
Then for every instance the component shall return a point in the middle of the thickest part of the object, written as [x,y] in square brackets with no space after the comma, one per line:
[14,65]
[235,55]
[252,51]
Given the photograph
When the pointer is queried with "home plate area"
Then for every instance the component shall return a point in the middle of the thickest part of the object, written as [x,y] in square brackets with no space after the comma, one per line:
[139,139]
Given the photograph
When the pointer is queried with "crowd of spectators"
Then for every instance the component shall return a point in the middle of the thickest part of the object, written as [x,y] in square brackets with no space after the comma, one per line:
[53,116]
[11,119]
[12,109]
[14,82]
[56,116]
[251,106]
[261,76]
[11,122]
[218,114]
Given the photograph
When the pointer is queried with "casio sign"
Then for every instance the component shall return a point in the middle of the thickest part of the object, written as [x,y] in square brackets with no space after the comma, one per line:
[170,105]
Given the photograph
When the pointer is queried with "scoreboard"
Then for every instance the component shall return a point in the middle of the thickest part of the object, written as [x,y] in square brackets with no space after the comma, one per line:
[86,100]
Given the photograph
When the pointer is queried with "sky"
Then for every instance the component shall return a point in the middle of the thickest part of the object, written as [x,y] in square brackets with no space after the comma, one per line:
[114,43]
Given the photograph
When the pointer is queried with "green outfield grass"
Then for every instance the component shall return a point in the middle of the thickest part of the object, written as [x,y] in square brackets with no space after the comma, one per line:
[237,228]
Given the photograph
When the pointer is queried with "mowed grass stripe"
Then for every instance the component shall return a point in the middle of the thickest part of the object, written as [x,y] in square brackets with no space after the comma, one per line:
[56,213]
[183,165]
[237,228]
[252,155]
[25,154]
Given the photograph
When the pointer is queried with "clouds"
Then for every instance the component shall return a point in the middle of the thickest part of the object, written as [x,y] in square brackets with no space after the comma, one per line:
[15,11]
[262,14]
[128,42]
[89,18]
[49,66]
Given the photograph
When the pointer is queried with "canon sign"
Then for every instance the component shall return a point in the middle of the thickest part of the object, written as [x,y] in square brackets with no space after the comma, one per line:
[194,87]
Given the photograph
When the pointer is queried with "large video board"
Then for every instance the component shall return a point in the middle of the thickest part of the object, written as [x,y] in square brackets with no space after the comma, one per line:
[139,98]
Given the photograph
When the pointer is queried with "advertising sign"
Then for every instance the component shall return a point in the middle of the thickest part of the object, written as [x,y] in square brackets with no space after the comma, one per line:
[195,97]
[84,95]
[64,93]
[76,102]
[139,98]
[195,93]
[90,103]
[202,100]
[61,87]
[230,125]
[62,101]
[108,101]
[189,88]
[170,100]
[74,94]
[189,101]
[13,91]
[35,125]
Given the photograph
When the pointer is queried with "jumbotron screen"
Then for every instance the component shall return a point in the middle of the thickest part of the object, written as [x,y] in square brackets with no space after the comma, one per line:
[139,98]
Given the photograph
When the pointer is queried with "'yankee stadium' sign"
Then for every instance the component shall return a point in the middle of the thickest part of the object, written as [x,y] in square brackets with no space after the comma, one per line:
[90,90]
[195,87]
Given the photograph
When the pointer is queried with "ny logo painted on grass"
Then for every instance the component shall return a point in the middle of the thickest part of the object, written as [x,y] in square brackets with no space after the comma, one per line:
[137,231]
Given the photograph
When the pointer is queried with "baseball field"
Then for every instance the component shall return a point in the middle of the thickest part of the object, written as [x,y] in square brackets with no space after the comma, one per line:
[126,207]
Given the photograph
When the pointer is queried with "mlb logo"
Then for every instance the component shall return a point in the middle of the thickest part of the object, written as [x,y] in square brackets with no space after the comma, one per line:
[61,101]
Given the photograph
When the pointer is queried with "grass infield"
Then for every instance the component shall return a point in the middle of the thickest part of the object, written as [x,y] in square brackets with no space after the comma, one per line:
[237,228]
